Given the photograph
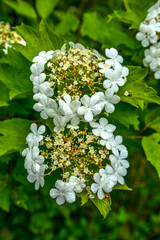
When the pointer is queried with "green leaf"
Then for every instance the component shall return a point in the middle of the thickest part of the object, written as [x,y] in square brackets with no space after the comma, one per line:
[69,22]
[115,35]
[126,115]
[93,26]
[6,158]
[104,205]
[99,29]
[136,12]
[45,8]
[49,123]
[5,192]
[15,74]
[83,197]
[151,146]
[122,187]
[13,133]
[22,8]
[138,88]
[43,40]
[152,119]
[4,96]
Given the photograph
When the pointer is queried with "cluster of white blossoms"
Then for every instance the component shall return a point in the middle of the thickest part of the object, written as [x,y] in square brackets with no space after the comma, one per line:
[75,88]
[8,37]
[149,35]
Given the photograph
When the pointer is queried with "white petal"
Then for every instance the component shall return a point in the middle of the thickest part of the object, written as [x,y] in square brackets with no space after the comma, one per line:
[60,200]
[54,193]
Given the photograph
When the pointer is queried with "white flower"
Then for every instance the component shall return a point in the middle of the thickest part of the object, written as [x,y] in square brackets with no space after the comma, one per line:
[157,73]
[33,158]
[110,177]
[147,34]
[90,107]
[97,187]
[113,143]
[78,184]
[43,88]
[37,81]
[115,59]
[36,69]
[120,172]
[108,99]
[36,134]
[64,192]
[120,158]
[59,122]
[70,109]
[103,129]
[115,78]
[43,57]
[152,57]
[46,106]
[100,185]
[37,177]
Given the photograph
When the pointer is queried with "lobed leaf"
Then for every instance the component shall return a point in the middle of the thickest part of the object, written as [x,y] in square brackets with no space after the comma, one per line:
[43,40]
[139,89]
[104,205]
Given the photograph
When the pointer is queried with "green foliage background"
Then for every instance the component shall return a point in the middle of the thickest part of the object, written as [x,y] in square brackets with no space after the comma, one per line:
[29,214]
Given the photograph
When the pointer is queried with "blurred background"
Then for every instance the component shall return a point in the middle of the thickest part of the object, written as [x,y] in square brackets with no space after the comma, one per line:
[29,214]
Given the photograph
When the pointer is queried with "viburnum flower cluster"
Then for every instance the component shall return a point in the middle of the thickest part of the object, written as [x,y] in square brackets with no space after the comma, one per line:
[75,90]
[149,35]
[8,37]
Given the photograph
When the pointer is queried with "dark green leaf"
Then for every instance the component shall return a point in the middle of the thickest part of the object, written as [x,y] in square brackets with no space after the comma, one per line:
[15,74]
[126,115]
[4,96]
[151,146]
[14,132]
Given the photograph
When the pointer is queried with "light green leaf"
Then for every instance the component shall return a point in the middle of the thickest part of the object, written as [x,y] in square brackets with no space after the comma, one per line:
[83,197]
[152,119]
[104,205]
[15,74]
[45,8]
[138,88]
[43,40]
[69,22]
[22,8]
[126,115]
[93,26]
[122,187]
[13,133]
[151,147]
[4,96]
